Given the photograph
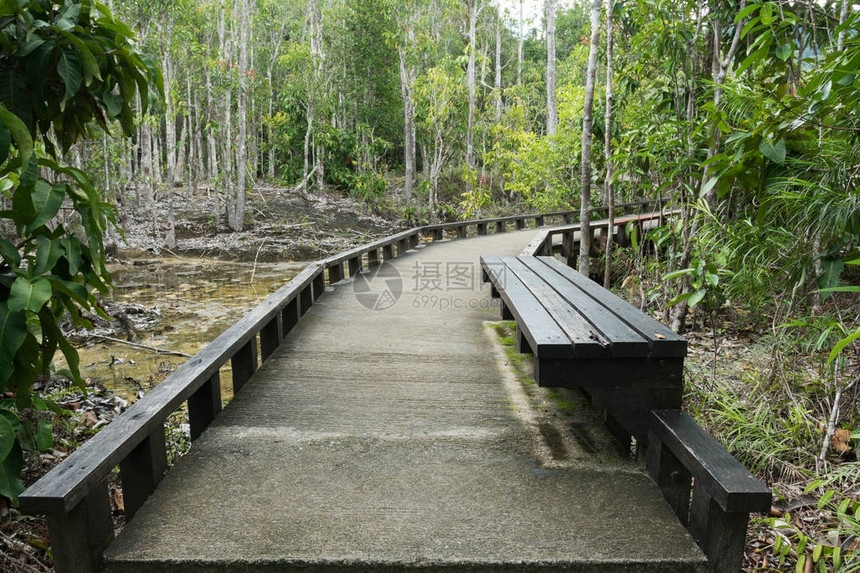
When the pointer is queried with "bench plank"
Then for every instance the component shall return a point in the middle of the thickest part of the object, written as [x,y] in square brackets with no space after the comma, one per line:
[623,340]
[586,341]
[665,342]
[539,328]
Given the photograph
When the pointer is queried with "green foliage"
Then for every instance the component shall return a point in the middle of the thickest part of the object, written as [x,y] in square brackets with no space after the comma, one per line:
[79,66]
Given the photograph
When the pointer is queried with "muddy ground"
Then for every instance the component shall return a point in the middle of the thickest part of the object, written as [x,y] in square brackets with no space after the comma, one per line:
[281,225]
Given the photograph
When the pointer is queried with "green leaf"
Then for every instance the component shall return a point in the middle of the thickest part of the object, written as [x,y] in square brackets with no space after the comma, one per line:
[10,469]
[831,271]
[5,141]
[9,253]
[27,295]
[773,151]
[13,331]
[7,438]
[20,134]
[72,246]
[767,13]
[840,346]
[47,200]
[90,65]
[696,297]
[677,274]
[69,68]
[48,252]
[44,436]
[784,51]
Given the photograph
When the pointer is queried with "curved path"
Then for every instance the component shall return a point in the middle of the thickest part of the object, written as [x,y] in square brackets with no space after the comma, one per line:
[379,440]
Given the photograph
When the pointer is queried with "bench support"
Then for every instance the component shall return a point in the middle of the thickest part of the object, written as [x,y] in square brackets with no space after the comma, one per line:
[682,458]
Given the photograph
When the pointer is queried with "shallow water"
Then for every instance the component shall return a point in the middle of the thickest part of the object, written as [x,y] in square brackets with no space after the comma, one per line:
[197,299]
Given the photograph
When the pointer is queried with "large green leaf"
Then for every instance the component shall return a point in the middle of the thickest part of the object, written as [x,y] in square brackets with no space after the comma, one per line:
[773,151]
[47,200]
[90,65]
[48,252]
[69,68]
[13,331]
[829,278]
[7,438]
[20,133]
[10,468]
[27,295]
[5,140]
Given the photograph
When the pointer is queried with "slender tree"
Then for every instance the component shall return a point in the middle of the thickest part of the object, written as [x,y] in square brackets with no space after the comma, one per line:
[587,121]
[551,107]
[608,188]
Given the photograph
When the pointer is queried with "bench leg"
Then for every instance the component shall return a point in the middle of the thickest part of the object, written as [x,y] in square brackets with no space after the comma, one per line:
[506,312]
[721,534]
[524,347]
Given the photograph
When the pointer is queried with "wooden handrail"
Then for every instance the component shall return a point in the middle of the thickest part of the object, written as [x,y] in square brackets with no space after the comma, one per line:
[74,495]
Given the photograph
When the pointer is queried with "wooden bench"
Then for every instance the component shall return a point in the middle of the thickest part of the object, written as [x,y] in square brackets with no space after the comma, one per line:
[584,336]
[632,366]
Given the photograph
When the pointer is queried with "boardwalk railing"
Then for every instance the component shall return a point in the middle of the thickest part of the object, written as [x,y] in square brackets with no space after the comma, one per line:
[74,495]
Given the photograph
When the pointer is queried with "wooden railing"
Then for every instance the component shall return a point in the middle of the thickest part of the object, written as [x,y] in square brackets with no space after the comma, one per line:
[74,495]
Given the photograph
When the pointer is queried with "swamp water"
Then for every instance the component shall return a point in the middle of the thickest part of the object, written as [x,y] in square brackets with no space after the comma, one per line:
[194,301]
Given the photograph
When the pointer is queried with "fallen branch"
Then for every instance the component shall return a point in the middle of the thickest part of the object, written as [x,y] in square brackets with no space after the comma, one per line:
[143,346]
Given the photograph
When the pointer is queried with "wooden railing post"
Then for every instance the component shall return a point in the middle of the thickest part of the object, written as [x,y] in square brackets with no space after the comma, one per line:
[482,229]
[290,315]
[461,232]
[521,224]
[373,258]
[318,286]
[270,337]
[204,405]
[354,266]
[142,469]
[79,537]
[388,252]
[244,364]
[335,273]
[501,226]
[539,222]
[414,240]
[438,234]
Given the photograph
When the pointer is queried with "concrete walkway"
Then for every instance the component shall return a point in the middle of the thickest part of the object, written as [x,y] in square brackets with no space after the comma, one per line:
[395,438]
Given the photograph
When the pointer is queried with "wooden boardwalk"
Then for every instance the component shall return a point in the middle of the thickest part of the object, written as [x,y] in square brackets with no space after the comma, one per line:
[385,433]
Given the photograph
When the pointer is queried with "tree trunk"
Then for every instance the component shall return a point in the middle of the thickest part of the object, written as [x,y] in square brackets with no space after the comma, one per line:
[551,108]
[471,82]
[244,9]
[587,122]
[608,190]
[521,46]
[497,80]
[408,122]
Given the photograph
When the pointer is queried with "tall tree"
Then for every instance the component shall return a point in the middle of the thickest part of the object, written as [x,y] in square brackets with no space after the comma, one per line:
[608,188]
[551,107]
[587,122]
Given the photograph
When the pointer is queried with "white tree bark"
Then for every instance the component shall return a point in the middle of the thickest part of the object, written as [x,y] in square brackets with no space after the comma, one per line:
[243,8]
[406,78]
[471,82]
[608,190]
[521,46]
[587,122]
[551,108]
